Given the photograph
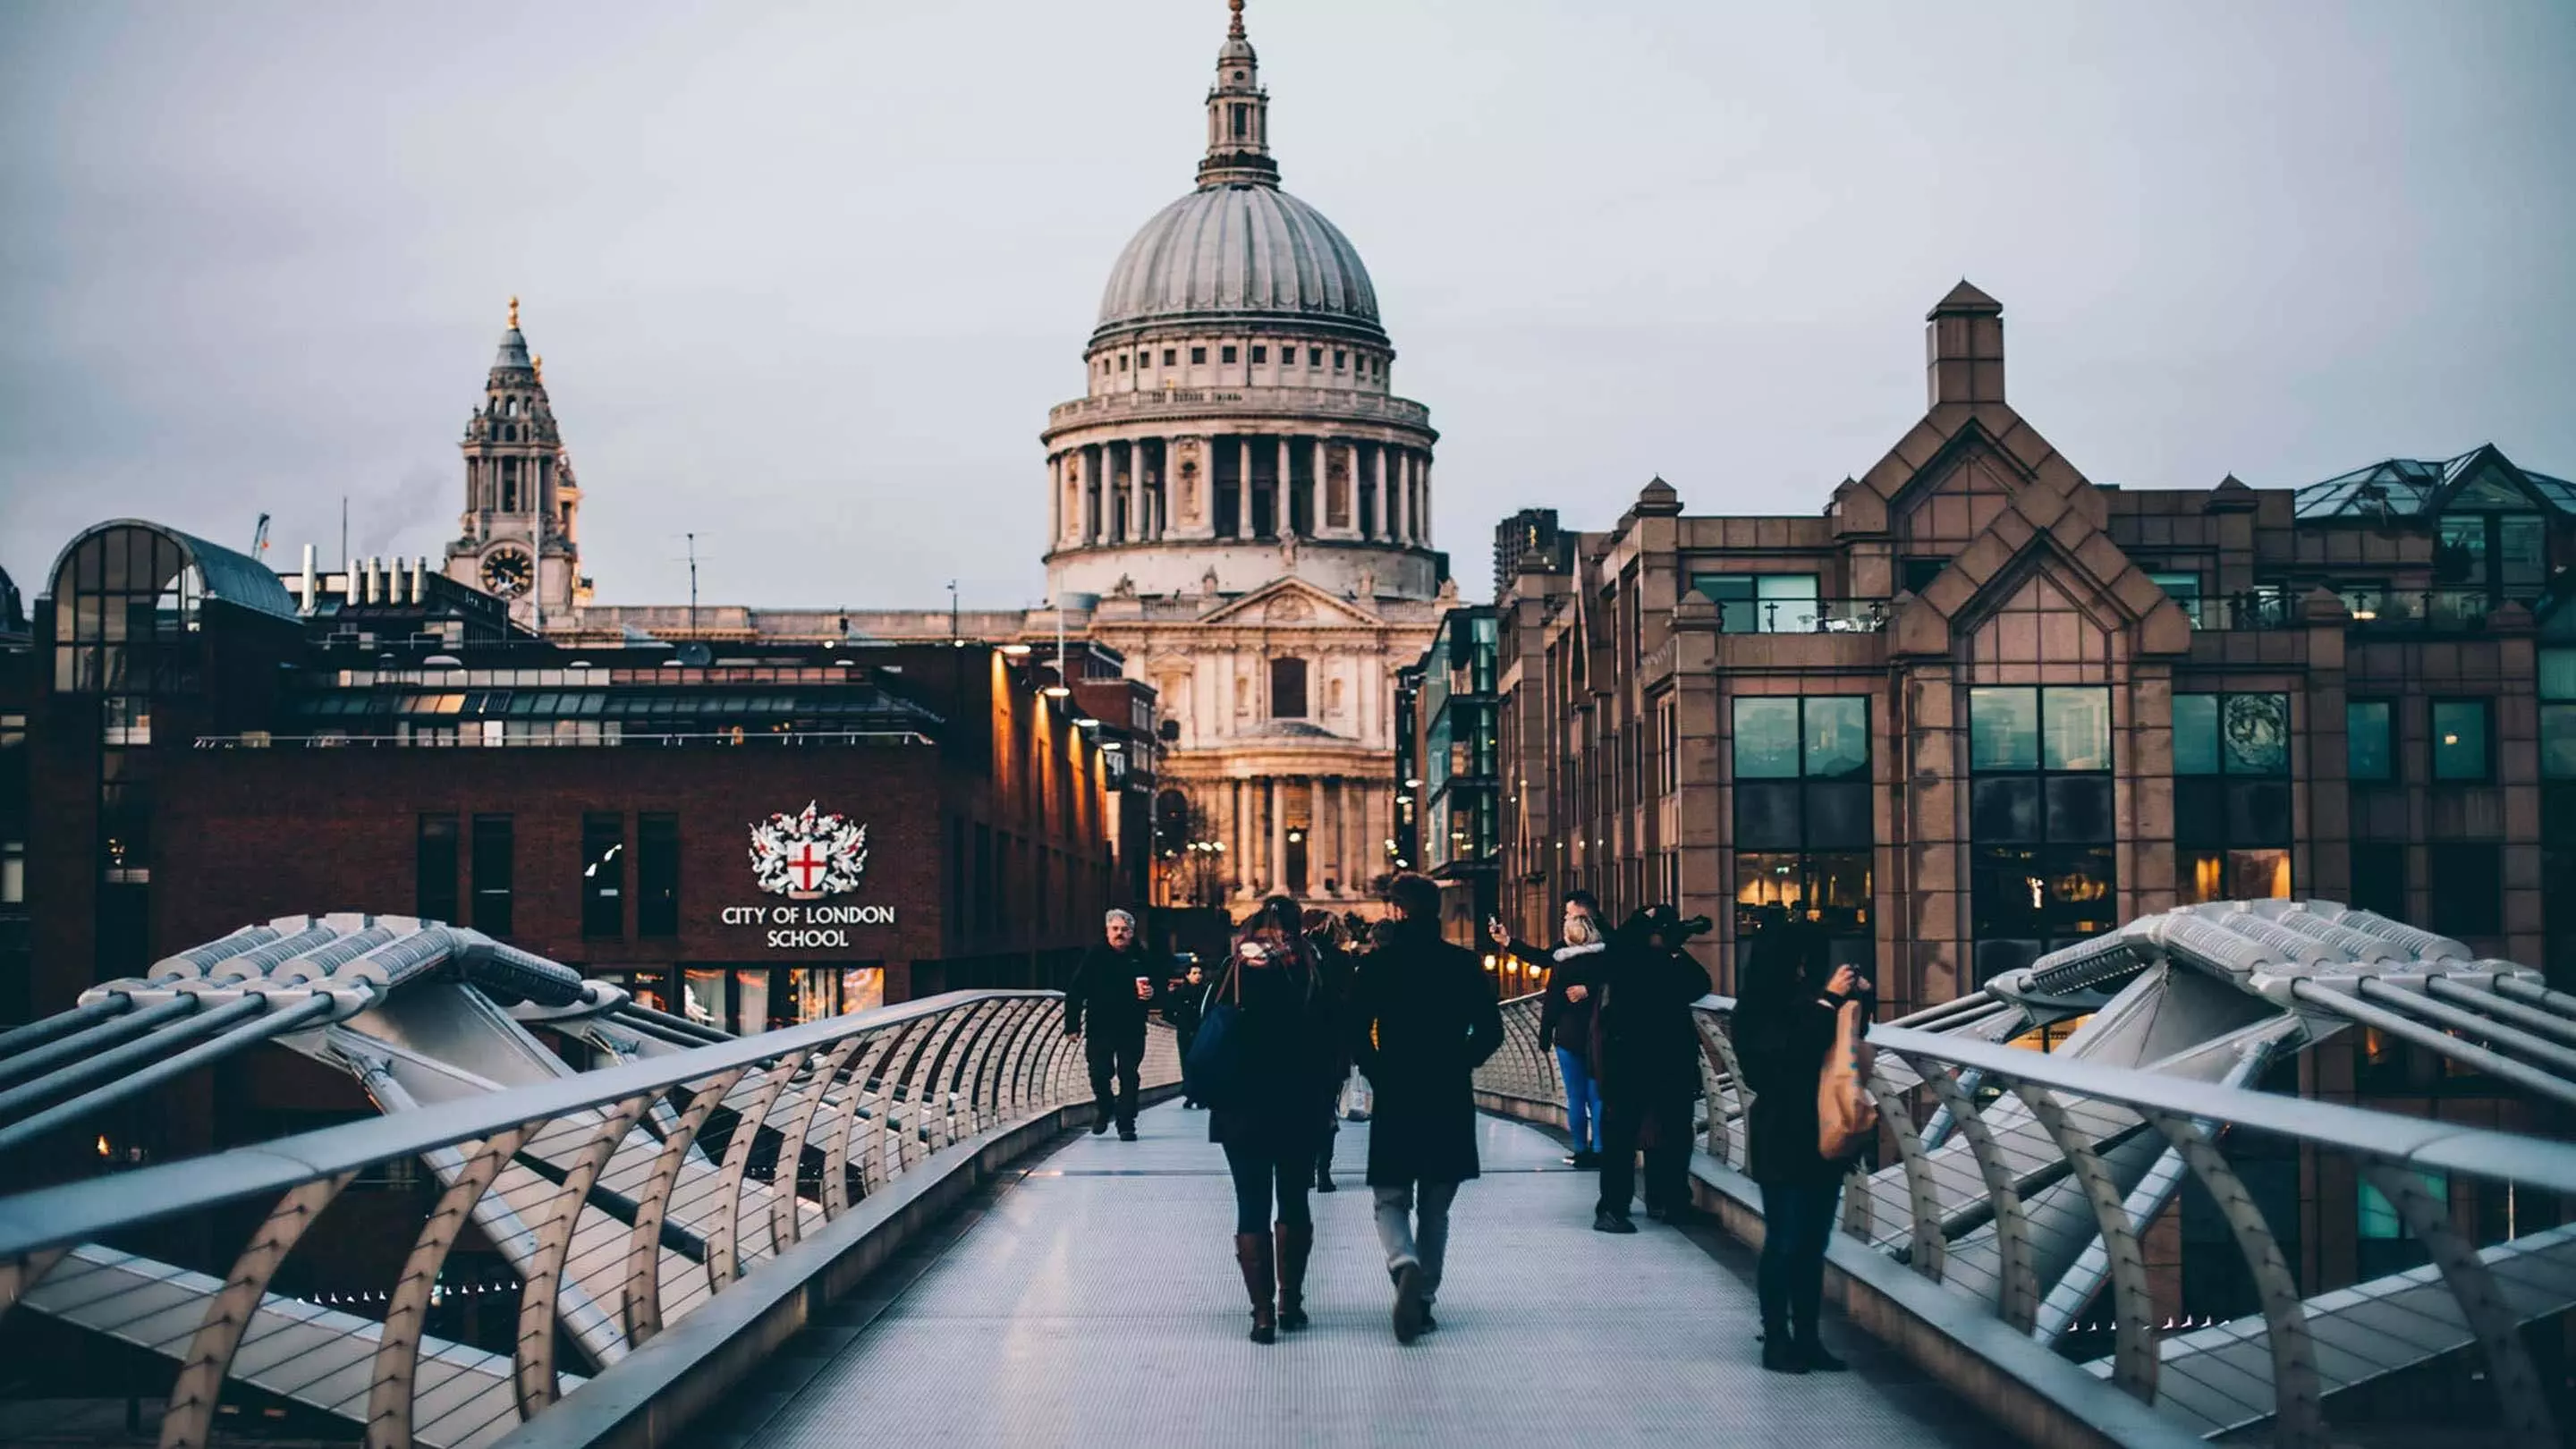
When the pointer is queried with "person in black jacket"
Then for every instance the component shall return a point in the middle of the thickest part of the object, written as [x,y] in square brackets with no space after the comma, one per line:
[1647,1052]
[1288,1044]
[1183,1006]
[1118,983]
[1424,1019]
[1331,943]
[1565,1017]
[1784,1027]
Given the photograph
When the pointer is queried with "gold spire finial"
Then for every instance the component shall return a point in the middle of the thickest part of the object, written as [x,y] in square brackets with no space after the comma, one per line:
[537,365]
[514,312]
[1234,27]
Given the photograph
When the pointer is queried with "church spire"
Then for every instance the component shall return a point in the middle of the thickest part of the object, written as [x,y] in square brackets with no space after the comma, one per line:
[1238,108]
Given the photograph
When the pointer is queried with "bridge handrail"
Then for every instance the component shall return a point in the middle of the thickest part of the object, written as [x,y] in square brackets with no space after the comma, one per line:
[93,1208]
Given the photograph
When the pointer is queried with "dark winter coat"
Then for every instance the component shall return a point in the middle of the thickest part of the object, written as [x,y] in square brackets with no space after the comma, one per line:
[1645,1048]
[1104,989]
[1184,1005]
[1564,1023]
[1782,1042]
[1291,1040]
[1423,1020]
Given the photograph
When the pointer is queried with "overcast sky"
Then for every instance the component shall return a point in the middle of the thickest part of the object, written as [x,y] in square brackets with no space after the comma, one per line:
[808,277]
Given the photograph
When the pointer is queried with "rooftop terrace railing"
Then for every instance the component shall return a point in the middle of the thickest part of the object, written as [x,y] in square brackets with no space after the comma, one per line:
[2024,1186]
[699,1195]
[1802,616]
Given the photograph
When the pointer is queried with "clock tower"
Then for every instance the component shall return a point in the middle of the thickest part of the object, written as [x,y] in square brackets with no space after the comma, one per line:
[517,535]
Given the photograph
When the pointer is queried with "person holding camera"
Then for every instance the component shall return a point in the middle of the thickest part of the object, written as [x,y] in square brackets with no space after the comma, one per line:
[1565,1018]
[1646,1051]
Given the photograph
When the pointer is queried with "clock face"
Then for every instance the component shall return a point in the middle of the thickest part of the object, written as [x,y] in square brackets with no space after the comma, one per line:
[506,572]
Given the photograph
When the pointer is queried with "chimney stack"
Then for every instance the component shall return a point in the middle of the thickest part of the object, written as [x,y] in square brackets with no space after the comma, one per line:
[1966,345]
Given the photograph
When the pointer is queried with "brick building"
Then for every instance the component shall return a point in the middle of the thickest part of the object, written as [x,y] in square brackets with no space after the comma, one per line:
[1982,705]
[210,745]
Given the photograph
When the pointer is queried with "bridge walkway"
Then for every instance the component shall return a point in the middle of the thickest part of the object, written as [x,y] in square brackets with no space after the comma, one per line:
[1093,1300]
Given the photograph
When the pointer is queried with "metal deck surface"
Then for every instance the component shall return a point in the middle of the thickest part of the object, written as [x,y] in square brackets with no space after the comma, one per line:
[1095,1301]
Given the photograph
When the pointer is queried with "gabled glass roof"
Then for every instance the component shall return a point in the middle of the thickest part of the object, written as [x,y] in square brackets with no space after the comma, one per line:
[2408,487]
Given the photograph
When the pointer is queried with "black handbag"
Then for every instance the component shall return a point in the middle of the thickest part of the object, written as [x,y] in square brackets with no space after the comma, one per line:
[1215,1073]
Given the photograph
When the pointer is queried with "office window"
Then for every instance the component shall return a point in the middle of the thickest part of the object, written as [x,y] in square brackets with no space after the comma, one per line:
[2460,740]
[2558,714]
[1225,354]
[434,869]
[2467,889]
[13,873]
[1761,603]
[2386,1247]
[603,875]
[1803,816]
[657,874]
[1287,689]
[2040,823]
[493,849]
[1198,356]
[1260,354]
[2184,590]
[2379,879]
[2231,797]
[2370,740]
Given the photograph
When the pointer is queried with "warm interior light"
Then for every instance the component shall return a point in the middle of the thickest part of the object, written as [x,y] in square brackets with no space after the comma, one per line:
[1056,691]
[2450,739]
[1015,650]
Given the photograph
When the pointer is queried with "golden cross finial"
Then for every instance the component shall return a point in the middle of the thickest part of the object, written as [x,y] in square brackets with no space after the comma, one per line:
[514,312]
[537,364]
[1234,27]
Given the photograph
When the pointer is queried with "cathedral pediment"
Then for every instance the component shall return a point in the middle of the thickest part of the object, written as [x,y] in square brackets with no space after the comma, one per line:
[1292,603]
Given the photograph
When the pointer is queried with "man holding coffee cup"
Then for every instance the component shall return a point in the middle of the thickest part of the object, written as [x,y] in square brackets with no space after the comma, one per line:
[1119,984]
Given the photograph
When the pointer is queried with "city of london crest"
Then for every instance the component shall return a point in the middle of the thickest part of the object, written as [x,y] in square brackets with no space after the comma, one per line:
[808,856]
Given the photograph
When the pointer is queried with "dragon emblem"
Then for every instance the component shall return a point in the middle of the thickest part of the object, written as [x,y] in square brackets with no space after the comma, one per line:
[808,856]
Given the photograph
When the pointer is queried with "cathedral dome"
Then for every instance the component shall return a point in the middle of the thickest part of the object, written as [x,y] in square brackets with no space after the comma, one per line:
[1239,250]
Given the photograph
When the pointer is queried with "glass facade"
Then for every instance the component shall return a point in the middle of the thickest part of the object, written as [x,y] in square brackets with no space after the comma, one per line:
[2042,870]
[1762,603]
[1460,718]
[2232,818]
[1804,822]
[2370,740]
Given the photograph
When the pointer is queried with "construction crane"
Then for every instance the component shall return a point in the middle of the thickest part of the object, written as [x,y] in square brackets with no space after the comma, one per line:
[259,538]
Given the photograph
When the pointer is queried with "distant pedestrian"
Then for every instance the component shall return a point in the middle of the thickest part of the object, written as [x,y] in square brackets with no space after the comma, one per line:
[1183,1006]
[1565,1017]
[1423,1020]
[1646,1049]
[1118,984]
[1784,1027]
[1287,1042]
[1330,941]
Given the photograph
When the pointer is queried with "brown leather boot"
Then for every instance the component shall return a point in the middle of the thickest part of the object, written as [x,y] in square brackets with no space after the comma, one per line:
[1260,1280]
[1296,1245]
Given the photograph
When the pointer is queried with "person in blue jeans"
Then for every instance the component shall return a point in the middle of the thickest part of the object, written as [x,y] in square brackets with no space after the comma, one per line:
[1565,1018]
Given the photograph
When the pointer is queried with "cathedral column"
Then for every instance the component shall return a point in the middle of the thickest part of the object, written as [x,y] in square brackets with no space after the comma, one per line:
[1376,511]
[1426,498]
[1238,860]
[1243,492]
[1283,514]
[1341,801]
[1278,875]
[1397,511]
[1134,497]
[1055,500]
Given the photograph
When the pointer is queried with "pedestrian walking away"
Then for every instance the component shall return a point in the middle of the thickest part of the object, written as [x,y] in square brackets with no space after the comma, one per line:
[1117,986]
[1423,1019]
[1286,1043]
[1331,943]
[1183,1006]
[1645,1048]
[1784,1028]
[1565,1017]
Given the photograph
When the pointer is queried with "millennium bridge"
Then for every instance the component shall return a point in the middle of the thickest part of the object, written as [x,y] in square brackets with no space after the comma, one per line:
[889,1227]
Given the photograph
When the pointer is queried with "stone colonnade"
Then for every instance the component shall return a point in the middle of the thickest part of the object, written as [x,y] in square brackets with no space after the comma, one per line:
[1333,826]
[1121,490]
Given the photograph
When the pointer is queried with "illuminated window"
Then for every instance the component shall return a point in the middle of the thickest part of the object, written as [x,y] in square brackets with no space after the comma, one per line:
[2460,739]
[2042,872]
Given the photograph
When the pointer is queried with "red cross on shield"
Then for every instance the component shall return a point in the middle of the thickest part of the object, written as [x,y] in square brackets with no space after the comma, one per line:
[806,862]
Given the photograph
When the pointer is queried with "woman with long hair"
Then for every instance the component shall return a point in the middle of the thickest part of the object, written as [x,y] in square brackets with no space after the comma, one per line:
[1784,1027]
[1288,1044]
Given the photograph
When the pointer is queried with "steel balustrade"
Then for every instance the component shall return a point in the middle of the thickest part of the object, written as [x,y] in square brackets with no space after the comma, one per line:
[641,1218]
[2023,1127]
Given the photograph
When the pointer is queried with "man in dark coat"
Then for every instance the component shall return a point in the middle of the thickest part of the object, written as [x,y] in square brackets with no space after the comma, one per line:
[1118,984]
[1646,1048]
[1184,1006]
[1424,1019]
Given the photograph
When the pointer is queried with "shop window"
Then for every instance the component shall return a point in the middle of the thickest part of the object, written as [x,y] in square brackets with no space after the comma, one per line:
[493,850]
[2184,590]
[434,869]
[2466,889]
[2460,741]
[2379,879]
[2370,740]
[1761,603]
[603,876]
[2041,826]
[1287,689]
[657,874]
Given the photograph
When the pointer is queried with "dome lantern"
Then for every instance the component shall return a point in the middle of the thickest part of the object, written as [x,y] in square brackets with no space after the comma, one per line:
[1238,109]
